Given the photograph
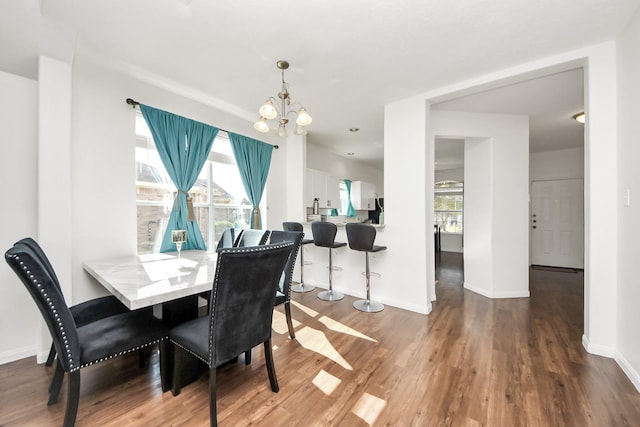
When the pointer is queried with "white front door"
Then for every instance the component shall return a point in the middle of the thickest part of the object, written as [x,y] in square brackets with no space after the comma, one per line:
[557,223]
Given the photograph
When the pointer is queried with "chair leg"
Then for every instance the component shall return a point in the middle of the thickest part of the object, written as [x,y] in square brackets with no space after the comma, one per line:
[56,384]
[73,398]
[142,356]
[367,305]
[287,312]
[302,287]
[247,357]
[213,412]
[165,365]
[52,355]
[271,369]
[330,295]
[178,355]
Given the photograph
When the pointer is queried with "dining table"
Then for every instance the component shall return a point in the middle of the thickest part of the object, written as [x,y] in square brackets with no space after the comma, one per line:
[164,280]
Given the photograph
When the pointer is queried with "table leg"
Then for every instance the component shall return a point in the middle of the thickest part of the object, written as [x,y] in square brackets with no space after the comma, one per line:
[174,313]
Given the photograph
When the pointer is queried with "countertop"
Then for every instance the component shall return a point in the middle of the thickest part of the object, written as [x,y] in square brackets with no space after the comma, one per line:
[342,224]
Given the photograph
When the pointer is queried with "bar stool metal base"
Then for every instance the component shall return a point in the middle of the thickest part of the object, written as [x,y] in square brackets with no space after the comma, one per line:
[330,295]
[368,306]
[302,287]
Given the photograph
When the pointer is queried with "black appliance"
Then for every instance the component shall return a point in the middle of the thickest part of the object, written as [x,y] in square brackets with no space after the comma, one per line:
[374,216]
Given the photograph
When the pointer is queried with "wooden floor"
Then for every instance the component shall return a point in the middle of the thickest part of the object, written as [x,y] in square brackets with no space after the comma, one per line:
[472,362]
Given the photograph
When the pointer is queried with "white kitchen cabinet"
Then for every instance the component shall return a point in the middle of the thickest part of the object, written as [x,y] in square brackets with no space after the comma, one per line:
[363,196]
[323,186]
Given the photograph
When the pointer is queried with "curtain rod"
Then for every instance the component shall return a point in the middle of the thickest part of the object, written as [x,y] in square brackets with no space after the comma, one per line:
[134,104]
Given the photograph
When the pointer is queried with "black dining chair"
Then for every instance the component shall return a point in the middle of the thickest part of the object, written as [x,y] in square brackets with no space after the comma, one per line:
[251,237]
[229,238]
[81,346]
[83,313]
[283,294]
[240,314]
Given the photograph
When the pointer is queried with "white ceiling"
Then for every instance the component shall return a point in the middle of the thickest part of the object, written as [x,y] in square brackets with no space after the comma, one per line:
[348,58]
[550,102]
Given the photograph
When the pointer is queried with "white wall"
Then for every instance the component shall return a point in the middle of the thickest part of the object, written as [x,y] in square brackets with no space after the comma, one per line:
[409,203]
[557,164]
[628,315]
[601,201]
[103,161]
[496,199]
[478,204]
[323,160]
[18,218]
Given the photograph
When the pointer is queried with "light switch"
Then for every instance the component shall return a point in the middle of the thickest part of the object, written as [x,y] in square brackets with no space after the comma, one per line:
[627,198]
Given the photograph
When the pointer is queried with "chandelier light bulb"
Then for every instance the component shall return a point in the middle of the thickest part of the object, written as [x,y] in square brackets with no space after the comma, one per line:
[283,109]
[261,125]
[304,118]
[268,111]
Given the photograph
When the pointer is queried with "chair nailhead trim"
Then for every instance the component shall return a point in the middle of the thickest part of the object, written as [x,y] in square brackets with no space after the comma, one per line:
[72,366]
[190,352]
[121,353]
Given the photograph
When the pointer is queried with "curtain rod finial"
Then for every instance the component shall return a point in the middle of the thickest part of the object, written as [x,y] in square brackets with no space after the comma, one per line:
[132,102]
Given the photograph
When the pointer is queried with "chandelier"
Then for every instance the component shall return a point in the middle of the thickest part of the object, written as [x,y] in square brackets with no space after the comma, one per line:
[268,111]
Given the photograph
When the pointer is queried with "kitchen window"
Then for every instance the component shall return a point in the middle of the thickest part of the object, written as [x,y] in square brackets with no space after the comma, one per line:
[448,206]
[219,198]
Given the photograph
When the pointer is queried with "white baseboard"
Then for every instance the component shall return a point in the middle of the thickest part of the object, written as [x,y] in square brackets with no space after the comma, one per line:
[633,375]
[497,295]
[421,309]
[17,354]
[598,350]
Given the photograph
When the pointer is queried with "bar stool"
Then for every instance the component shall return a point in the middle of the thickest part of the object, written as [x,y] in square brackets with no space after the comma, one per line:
[296,226]
[324,234]
[361,238]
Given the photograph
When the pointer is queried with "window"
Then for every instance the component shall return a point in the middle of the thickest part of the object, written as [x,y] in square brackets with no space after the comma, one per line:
[448,205]
[219,198]
[344,198]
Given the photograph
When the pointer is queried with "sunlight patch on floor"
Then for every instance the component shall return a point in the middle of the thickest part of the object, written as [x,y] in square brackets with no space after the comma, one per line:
[308,311]
[369,408]
[342,328]
[315,340]
[279,324]
[326,382]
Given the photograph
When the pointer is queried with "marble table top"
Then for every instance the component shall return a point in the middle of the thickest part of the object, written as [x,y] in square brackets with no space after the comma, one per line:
[144,280]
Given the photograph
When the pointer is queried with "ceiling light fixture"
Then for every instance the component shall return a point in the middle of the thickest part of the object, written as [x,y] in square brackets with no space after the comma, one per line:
[579,117]
[268,110]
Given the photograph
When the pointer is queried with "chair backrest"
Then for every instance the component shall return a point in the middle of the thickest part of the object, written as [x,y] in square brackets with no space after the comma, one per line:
[242,298]
[250,237]
[44,260]
[324,233]
[295,237]
[360,236]
[47,295]
[292,226]
[229,238]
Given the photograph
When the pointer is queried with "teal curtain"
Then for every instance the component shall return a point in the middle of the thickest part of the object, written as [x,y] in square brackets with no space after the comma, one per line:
[351,212]
[254,159]
[184,146]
